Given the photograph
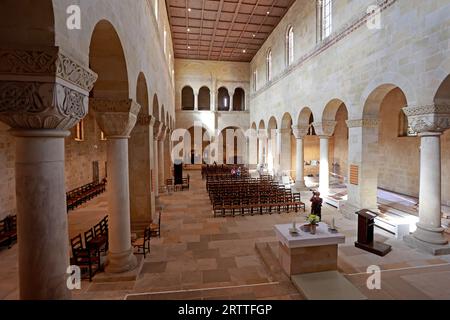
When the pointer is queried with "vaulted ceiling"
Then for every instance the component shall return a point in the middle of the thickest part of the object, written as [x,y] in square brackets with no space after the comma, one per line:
[225,30]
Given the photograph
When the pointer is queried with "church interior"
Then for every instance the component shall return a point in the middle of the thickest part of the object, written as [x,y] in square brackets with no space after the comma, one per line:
[225,149]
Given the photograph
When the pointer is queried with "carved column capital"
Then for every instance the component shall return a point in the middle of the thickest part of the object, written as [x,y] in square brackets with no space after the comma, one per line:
[325,128]
[145,120]
[284,131]
[43,89]
[116,118]
[429,118]
[162,133]
[363,123]
[300,132]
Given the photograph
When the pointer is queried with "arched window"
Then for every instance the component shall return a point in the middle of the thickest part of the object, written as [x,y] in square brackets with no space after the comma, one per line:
[223,99]
[269,65]
[187,98]
[239,100]
[327,18]
[204,99]
[79,131]
[290,46]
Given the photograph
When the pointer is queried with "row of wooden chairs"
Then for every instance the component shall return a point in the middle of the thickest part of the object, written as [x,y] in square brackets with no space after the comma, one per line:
[88,256]
[185,184]
[209,170]
[8,231]
[143,244]
[78,196]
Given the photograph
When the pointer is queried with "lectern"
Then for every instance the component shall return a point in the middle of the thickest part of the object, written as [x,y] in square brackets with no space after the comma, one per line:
[366,224]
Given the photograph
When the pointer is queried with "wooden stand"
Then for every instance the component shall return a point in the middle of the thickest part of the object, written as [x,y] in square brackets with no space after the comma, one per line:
[365,241]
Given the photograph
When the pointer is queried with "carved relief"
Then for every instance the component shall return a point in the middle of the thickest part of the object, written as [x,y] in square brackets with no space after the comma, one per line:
[325,128]
[430,118]
[29,102]
[364,123]
[300,132]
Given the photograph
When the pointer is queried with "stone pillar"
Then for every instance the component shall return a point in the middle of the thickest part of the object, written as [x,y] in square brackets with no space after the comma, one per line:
[285,151]
[324,130]
[299,133]
[430,122]
[196,101]
[142,197]
[167,156]
[261,149]
[157,128]
[116,119]
[161,152]
[252,147]
[213,100]
[231,102]
[43,93]
[363,164]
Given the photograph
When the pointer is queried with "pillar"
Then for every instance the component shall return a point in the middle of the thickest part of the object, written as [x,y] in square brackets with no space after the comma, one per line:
[155,177]
[142,197]
[324,130]
[44,94]
[231,102]
[195,101]
[430,122]
[363,166]
[285,151]
[300,133]
[116,119]
[161,152]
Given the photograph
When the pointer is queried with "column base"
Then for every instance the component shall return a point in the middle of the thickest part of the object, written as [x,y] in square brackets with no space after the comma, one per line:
[434,249]
[434,236]
[121,262]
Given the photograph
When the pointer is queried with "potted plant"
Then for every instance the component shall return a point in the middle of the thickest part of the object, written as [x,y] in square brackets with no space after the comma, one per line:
[313,221]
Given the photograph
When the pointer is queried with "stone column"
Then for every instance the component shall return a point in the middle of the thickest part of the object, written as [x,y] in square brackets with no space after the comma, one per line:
[261,138]
[196,101]
[252,147]
[116,118]
[167,155]
[213,100]
[324,130]
[430,122]
[43,93]
[231,102]
[300,133]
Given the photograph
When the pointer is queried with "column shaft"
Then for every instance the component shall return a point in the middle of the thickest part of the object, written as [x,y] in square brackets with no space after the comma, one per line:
[196,101]
[324,171]
[429,226]
[156,167]
[120,256]
[41,214]
[161,162]
[299,168]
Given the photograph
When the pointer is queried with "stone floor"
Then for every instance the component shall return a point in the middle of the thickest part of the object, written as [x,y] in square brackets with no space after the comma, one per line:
[201,257]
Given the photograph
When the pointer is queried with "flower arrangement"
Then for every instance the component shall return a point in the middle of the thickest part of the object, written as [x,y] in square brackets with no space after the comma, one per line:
[313,219]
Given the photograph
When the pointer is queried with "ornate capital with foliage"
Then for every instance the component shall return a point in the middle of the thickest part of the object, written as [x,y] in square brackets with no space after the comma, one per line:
[325,128]
[43,89]
[300,132]
[116,118]
[430,118]
[363,123]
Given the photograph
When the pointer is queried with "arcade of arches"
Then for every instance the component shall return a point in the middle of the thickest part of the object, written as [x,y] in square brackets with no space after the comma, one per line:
[362,115]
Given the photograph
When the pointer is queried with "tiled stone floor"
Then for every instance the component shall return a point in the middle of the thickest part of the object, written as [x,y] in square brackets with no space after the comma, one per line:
[201,257]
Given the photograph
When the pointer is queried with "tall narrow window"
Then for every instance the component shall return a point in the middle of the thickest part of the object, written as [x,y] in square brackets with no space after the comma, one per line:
[255,79]
[290,46]
[79,131]
[269,65]
[102,136]
[327,18]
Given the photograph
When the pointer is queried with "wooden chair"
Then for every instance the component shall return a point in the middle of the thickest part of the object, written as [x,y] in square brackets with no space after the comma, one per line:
[85,258]
[155,228]
[143,244]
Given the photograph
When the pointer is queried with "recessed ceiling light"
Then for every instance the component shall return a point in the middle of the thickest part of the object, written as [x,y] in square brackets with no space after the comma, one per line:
[189,47]
[188,29]
[189,9]
[244,51]
[254,35]
[268,12]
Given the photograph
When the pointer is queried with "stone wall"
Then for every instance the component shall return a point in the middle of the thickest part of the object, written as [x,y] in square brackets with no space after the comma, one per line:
[80,155]
[7,181]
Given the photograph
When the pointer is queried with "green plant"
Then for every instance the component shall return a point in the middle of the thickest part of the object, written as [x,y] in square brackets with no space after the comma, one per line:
[313,219]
